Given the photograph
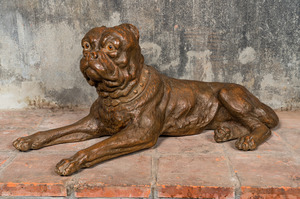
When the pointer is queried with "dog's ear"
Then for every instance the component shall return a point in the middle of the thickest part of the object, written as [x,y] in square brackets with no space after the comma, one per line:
[131,28]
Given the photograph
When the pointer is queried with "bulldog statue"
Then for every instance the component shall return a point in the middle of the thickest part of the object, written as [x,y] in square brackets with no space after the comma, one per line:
[136,104]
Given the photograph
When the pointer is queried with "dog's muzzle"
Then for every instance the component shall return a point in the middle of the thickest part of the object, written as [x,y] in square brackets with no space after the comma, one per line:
[98,66]
[91,55]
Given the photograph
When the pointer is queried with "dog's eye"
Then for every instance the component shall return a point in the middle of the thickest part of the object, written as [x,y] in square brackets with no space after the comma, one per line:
[86,45]
[110,47]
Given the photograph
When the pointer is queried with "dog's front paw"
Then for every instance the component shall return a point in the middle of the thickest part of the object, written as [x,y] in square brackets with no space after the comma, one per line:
[222,134]
[66,167]
[23,143]
[69,166]
[246,143]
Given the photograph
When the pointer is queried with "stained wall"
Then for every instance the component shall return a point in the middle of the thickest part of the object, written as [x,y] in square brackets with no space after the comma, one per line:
[253,43]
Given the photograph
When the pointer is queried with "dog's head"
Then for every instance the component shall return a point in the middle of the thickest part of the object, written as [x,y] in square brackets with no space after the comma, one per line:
[111,57]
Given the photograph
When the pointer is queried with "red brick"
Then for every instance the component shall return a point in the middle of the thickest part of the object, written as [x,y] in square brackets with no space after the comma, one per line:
[289,119]
[102,190]
[270,193]
[202,143]
[32,189]
[127,176]
[196,192]
[3,159]
[194,176]
[32,174]
[292,138]
[21,119]
[266,170]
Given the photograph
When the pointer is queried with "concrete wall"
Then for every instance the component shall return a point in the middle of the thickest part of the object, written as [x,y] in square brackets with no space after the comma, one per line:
[253,43]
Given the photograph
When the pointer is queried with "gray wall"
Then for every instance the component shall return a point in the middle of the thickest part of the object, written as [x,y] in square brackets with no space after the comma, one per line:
[253,43]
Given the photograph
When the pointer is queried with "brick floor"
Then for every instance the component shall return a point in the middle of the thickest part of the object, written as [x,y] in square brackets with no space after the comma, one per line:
[177,167]
[32,174]
[128,176]
[206,176]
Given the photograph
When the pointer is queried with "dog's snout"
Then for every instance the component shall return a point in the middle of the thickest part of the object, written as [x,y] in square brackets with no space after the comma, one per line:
[94,55]
[90,55]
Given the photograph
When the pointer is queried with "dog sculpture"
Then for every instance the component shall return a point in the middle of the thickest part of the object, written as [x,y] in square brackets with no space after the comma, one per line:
[136,105]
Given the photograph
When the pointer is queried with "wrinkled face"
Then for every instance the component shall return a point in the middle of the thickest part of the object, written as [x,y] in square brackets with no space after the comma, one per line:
[111,56]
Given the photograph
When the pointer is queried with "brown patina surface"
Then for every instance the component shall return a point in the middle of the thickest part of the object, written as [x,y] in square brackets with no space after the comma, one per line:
[137,104]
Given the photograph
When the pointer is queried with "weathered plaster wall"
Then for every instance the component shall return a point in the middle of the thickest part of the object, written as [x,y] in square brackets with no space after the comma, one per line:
[253,43]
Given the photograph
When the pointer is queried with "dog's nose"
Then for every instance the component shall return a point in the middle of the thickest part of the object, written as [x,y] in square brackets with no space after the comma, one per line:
[94,55]
[90,55]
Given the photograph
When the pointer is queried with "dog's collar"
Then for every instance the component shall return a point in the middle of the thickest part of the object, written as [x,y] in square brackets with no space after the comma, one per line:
[135,91]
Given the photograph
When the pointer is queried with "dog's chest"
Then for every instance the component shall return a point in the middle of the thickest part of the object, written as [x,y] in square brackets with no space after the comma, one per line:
[114,119]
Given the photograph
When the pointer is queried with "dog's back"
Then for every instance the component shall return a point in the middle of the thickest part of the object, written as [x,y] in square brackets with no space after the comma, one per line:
[188,105]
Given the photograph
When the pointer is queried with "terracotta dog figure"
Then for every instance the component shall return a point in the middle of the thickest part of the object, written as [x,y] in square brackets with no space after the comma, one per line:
[137,104]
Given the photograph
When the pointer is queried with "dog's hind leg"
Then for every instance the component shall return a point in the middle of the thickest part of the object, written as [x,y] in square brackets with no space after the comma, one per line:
[229,130]
[251,113]
[84,129]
